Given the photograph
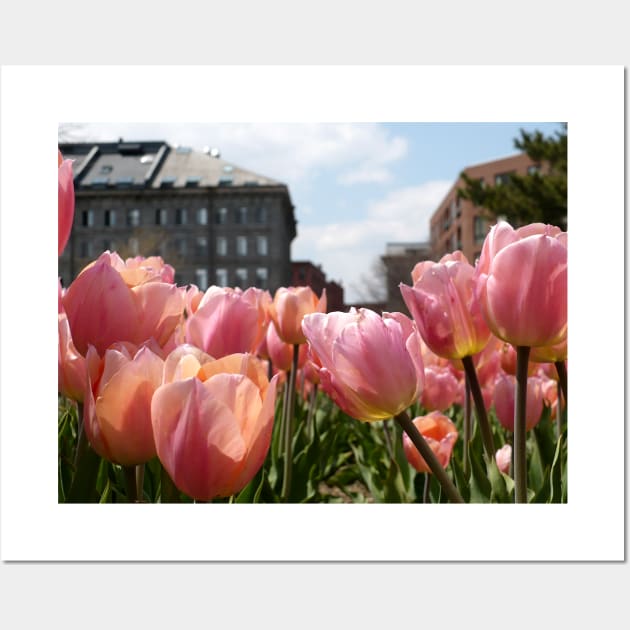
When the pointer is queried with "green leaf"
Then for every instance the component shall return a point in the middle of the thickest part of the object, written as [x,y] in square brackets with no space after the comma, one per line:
[460,480]
[556,475]
[480,487]
[500,491]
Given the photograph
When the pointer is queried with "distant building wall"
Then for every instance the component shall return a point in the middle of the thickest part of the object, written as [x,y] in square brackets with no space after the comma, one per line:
[457,224]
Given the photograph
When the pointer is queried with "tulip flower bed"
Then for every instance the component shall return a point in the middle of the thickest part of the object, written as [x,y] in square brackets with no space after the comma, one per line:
[337,460]
[172,394]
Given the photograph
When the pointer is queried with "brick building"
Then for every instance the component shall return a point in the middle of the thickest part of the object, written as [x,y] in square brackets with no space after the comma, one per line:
[305,273]
[458,223]
[214,222]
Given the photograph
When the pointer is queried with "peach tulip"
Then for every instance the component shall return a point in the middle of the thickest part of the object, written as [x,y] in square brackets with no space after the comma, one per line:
[439,433]
[289,307]
[371,365]
[281,353]
[72,374]
[445,310]
[503,399]
[117,414]
[212,422]
[104,306]
[228,321]
[521,284]
[66,201]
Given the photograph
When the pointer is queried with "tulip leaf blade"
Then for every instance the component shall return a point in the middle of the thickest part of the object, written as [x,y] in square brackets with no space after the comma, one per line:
[480,487]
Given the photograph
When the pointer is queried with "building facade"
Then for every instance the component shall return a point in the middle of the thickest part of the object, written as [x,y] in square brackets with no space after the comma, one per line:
[214,222]
[305,273]
[458,223]
[399,260]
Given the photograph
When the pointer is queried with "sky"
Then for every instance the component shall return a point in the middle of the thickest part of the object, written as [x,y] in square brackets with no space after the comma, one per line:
[355,186]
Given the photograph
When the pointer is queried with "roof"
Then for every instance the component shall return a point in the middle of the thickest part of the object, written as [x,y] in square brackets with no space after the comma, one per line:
[184,167]
[154,164]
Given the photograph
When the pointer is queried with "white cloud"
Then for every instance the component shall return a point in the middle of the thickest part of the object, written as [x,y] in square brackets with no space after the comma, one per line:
[290,152]
[349,248]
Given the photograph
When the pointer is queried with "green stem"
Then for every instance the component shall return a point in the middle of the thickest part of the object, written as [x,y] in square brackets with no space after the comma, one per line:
[140,482]
[86,464]
[311,409]
[426,495]
[520,428]
[168,492]
[289,420]
[561,368]
[429,456]
[388,441]
[467,429]
[130,482]
[480,408]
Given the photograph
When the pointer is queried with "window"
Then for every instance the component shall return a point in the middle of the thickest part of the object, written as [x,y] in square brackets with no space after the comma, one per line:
[532,170]
[241,216]
[134,246]
[192,181]
[168,181]
[221,277]
[221,246]
[87,218]
[501,178]
[124,182]
[110,218]
[87,249]
[106,169]
[261,277]
[221,216]
[133,218]
[181,216]
[261,245]
[201,279]
[261,215]
[202,216]
[161,216]
[225,181]
[241,278]
[202,246]
[479,229]
[241,245]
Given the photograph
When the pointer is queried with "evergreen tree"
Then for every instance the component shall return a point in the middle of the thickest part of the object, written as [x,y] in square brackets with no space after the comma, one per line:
[540,196]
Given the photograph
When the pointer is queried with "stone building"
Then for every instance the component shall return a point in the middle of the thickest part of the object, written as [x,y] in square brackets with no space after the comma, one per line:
[398,261]
[214,222]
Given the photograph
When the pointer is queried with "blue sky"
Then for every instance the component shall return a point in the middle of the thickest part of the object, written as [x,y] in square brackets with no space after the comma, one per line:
[355,187]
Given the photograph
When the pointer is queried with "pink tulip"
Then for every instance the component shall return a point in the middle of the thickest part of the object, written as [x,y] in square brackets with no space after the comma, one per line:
[445,310]
[228,321]
[549,354]
[503,399]
[440,389]
[508,360]
[66,201]
[521,284]
[104,307]
[371,365]
[117,414]
[72,374]
[281,353]
[213,429]
[289,307]
[421,267]
[439,433]
[503,458]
